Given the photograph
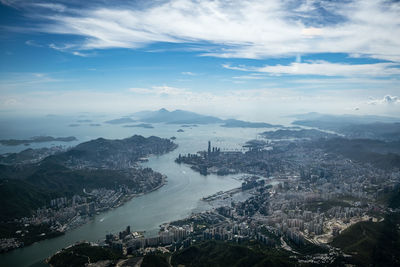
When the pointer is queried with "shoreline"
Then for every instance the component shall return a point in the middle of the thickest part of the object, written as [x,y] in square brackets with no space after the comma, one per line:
[125,198]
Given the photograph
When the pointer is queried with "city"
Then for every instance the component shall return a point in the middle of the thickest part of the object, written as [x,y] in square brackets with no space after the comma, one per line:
[304,200]
[197,133]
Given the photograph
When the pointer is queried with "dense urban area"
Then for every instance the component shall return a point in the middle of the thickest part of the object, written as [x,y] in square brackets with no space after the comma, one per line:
[305,199]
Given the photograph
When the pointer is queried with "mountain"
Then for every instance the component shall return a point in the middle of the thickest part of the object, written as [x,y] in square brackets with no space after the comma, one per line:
[187,117]
[382,154]
[99,163]
[175,117]
[345,118]
[371,127]
[246,124]
[113,154]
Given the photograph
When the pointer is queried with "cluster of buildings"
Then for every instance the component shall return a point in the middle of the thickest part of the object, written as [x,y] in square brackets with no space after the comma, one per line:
[298,195]
[7,244]
[66,213]
[129,242]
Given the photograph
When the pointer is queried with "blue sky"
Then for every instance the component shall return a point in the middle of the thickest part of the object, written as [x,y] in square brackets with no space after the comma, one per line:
[229,58]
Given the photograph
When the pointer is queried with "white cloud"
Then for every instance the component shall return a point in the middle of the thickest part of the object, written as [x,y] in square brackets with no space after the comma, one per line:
[243,29]
[386,100]
[33,43]
[239,67]
[188,73]
[162,90]
[52,6]
[325,68]
[70,48]
[137,90]
[249,77]
[80,54]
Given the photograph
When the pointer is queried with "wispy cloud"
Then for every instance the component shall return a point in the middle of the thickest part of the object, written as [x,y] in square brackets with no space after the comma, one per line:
[25,80]
[162,90]
[189,73]
[70,48]
[33,43]
[51,6]
[324,68]
[242,29]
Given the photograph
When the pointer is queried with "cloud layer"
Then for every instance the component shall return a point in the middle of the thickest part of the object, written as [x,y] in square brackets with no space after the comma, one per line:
[243,29]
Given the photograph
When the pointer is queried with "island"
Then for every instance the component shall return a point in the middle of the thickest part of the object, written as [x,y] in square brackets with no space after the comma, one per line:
[140,125]
[174,117]
[189,125]
[36,139]
[246,124]
[120,121]
[50,191]
[190,119]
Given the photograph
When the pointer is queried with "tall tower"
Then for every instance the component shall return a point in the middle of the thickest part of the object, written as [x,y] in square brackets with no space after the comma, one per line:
[209,148]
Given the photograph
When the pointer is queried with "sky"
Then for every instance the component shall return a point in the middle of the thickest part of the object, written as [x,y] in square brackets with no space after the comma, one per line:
[244,59]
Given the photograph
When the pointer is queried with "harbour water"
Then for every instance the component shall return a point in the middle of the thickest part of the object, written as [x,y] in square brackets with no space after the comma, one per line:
[176,200]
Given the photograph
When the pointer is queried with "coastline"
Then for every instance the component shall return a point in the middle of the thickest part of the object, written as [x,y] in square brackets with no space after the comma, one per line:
[123,200]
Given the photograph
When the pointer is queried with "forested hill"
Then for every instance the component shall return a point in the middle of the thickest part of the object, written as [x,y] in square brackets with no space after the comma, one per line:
[99,163]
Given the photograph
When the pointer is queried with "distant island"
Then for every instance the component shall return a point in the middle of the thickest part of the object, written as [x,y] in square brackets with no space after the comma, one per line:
[140,125]
[120,121]
[36,139]
[189,125]
[246,124]
[191,119]
[187,119]
[175,117]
